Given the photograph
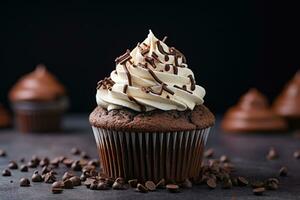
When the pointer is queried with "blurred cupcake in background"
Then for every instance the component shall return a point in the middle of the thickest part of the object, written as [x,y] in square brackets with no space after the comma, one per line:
[38,101]
[252,114]
[287,104]
[5,118]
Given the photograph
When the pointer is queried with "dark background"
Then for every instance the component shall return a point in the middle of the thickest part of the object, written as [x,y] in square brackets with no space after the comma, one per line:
[230,46]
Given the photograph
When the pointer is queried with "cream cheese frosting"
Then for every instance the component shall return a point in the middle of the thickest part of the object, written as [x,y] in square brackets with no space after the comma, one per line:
[151,76]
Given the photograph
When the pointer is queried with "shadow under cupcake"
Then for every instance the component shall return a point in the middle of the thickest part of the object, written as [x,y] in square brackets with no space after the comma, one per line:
[38,101]
[150,122]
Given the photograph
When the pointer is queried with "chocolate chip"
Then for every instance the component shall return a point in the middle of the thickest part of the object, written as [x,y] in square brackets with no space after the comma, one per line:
[93,173]
[275,180]
[186,184]
[24,168]
[75,180]
[119,184]
[24,182]
[172,188]
[88,182]
[283,171]
[75,151]
[58,184]
[22,160]
[133,183]
[67,175]
[6,172]
[102,186]
[259,191]
[2,153]
[297,154]
[150,185]
[56,190]
[35,159]
[226,183]
[272,154]
[141,188]
[94,162]
[44,162]
[68,184]
[83,177]
[271,184]
[94,185]
[84,155]
[209,153]
[211,183]
[224,159]
[49,177]
[12,165]
[109,181]
[161,184]
[76,166]
[32,164]
[36,177]
[68,162]
[45,170]
[257,184]
[55,162]
[242,181]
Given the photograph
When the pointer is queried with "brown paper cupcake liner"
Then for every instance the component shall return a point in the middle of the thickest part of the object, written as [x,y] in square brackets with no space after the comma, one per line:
[173,156]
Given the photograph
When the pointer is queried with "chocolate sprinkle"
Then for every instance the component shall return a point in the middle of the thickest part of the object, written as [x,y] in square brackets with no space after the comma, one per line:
[193,87]
[127,74]
[123,58]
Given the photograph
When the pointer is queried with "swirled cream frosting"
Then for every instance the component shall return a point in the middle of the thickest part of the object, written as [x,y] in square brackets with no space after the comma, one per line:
[151,76]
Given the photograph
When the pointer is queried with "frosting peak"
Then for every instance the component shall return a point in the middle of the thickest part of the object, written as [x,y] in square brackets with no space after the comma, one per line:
[151,76]
[39,85]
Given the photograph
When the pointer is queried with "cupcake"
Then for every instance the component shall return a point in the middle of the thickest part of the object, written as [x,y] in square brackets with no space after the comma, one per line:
[287,104]
[5,120]
[38,101]
[150,122]
[252,114]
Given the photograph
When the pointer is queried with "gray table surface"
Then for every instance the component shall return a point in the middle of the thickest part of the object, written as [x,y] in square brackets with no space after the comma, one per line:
[246,151]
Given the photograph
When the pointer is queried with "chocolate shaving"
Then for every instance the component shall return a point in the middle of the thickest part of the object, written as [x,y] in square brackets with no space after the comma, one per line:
[193,85]
[167,67]
[127,74]
[155,56]
[150,60]
[106,83]
[154,76]
[175,69]
[162,51]
[166,58]
[142,107]
[125,88]
[123,58]
[182,88]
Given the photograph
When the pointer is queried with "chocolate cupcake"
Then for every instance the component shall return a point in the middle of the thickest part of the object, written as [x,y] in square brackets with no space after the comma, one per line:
[5,119]
[252,114]
[287,104]
[38,101]
[150,122]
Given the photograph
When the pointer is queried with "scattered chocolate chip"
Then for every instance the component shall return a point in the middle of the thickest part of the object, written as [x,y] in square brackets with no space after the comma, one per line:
[68,162]
[56,190]
[172,188]
[275,180]
[35,159]
[45,170]
[209,153]
[226,183]
[133,183]
[76,166]
[67,175]
[12,165]
[55,162]
[22,160]
[68,184]
[272,154]
[211,183]
[93,173]
[6,172]
[2,153]
[161,184]
[94,185]
[49,177]
[84,155]
[257,184]
[186,184]
[150,185]
[36,177]
[109,181]
[58,184]
[297,154]
[271,184]
[88,182]
[94,162]
[119,184]
[83,177]
[75,180]
[24,182]
[259,191]
[102,186]
[75,151]
[44,162]
[242,181]
[283,171]
[224,159]
[23,168]
[141,188]
[32,164]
